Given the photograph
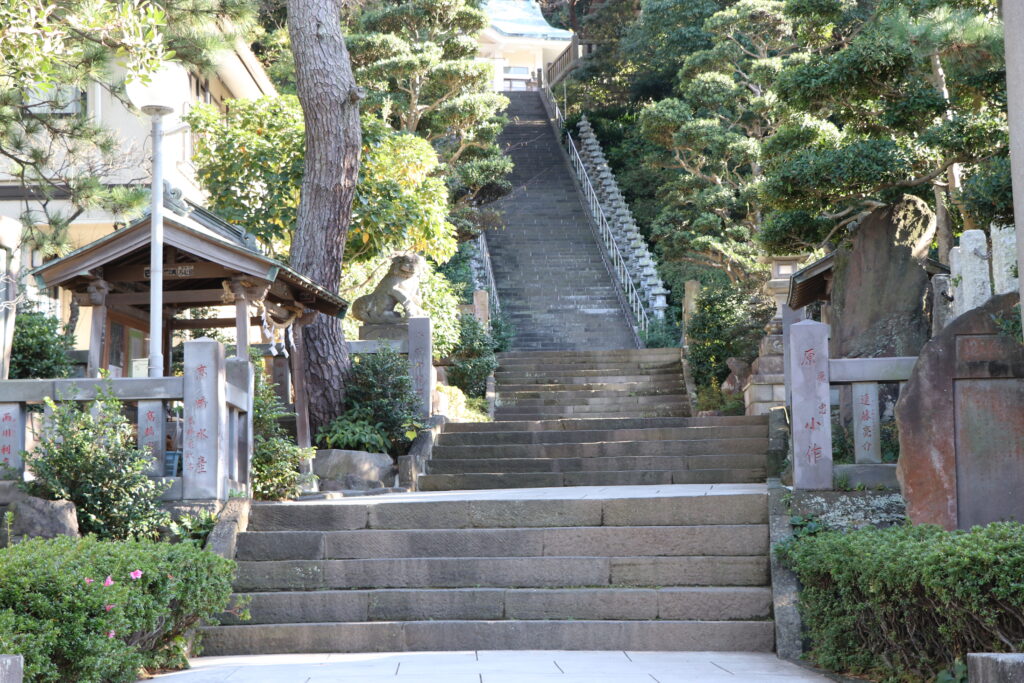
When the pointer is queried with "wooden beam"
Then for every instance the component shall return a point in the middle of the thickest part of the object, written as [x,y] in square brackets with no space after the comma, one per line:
[208,323]
[177,271]
[180,296]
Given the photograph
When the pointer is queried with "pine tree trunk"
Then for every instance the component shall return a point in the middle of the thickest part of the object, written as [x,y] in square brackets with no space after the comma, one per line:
[330,103]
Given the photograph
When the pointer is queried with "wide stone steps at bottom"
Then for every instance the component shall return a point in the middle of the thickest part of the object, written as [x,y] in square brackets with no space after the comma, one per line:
[445,635]
[715,603]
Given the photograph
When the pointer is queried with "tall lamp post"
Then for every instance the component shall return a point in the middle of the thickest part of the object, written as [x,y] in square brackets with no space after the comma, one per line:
[165,89]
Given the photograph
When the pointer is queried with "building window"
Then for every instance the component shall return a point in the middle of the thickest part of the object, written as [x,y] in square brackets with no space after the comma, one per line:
[58,100]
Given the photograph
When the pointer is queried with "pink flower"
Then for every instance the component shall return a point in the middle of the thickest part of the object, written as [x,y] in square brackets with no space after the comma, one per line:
[109,607]
[110,634]
[136,575]
[109,581]
[88,580]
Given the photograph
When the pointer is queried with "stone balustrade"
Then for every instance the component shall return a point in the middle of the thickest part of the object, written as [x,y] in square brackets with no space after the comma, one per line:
[206,412]
[636,255]
[981,267]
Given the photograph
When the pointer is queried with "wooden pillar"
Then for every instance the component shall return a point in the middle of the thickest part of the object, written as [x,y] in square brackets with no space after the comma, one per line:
[241,292]
[98,290]
[302,434]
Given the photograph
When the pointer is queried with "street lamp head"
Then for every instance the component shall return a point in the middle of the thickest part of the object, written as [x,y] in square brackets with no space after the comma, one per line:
[162,92]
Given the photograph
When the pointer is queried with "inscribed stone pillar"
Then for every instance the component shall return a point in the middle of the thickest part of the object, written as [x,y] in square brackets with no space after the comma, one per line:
[975,284]
[240,372]
[1004,259]
[204,467]
[152,426]
[942,303]
[12,440]
[789,318]
[866,425]
[1013,27]
[811,421]
[956,282]
[421,365]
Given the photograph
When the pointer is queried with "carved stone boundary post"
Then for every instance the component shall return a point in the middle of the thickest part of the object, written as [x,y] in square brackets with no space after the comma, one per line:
[204,448]
[811,418]
[421,365]
[12,439]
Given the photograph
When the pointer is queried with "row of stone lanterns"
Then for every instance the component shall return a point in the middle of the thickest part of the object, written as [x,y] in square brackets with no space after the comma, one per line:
[639,262]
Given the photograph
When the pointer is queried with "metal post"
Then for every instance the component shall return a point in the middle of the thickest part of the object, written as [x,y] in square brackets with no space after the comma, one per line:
[156,251]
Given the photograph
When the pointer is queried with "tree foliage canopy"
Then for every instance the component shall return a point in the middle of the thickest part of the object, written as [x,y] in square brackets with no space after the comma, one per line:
[251,162]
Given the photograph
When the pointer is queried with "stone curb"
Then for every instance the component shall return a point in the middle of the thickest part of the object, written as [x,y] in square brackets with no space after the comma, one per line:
[232,520]
[411,466]
[785,587]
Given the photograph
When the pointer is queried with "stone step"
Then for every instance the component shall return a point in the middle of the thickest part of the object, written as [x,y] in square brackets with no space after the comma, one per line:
[573,399]
[648,354]
[502,572]
[668,506]
[607,424]
[693,448]
[575,466]
[516,436]
[655,382]
[509,480]
[548,413]
[583,541]
[613,366]
[583,376]
[733,603]
[409,636]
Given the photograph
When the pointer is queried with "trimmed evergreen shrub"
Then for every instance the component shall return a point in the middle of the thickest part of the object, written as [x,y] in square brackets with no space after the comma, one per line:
[275,456]
[473,359]
[93,611]
[906,602]
[87,454]
[40,348]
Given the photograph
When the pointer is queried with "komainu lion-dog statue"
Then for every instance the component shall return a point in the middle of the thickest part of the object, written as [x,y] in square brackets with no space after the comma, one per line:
[399,287]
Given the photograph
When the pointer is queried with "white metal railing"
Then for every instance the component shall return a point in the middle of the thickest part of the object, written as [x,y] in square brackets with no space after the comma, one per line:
[492,288]
[607,237]
[603,230]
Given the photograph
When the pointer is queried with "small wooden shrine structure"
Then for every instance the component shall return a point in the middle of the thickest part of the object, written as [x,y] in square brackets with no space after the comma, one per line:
[208,263]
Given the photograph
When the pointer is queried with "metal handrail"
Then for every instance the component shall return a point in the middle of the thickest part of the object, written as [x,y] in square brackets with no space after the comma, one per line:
[603,230]
[607,237]
[492,288]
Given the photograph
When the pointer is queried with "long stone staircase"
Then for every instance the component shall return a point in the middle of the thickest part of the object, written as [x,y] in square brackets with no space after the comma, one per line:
[552,282]
[640,533]
[593,514]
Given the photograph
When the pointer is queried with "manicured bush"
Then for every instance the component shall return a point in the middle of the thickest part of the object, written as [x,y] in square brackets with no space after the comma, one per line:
[473,359]
[905,602]
[380,387]
[502,331]
[40,348]
[728,322]
[87,455]
[275,456]
[354,430]
[92,611]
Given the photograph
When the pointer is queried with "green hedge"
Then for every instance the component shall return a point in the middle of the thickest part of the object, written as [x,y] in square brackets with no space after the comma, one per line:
[906,602]
[56,610]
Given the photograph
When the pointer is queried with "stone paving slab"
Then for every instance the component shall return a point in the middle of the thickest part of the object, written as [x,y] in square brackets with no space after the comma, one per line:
[497,667]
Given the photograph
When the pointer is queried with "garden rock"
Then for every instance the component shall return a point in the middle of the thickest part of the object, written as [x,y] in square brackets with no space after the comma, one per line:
[36,517]
[738,377]
[880,286]
[341,469]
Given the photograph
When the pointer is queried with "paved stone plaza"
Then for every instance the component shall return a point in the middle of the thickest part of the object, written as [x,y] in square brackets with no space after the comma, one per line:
[497,667]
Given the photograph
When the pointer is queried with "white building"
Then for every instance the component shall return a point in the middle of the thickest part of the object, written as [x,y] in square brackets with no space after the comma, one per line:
[239,75]
[519,42]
